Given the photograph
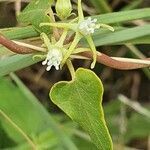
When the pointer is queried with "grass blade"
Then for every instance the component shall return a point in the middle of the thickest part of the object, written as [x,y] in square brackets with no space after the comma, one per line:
[101,6]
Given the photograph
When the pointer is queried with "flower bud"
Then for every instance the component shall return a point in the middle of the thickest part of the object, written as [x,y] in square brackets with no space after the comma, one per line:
[63,9]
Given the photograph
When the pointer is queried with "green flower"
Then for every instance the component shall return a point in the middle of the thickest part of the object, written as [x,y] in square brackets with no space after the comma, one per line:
[53,58]
[63,9]
[82,28]
[54,53]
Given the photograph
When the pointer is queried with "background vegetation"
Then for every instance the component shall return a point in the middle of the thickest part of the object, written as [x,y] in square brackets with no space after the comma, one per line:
[29,118]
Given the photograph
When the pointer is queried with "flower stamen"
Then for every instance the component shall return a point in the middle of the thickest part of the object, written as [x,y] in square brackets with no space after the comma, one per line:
[88,26]
[53,58]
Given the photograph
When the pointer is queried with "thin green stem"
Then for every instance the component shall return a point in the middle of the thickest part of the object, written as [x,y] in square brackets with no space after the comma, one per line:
[93,49]
[140,55]
[107,26]
[71,26]
[74,20]
[80,11]
[46,40]
[51,14]
[72,47]
[135,51]
[52,19]
[39,57]
[71,69]
[62,38]
[19,130]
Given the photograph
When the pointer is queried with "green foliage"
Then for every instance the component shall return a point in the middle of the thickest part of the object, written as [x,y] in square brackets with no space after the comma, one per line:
[18,103]
[123,36]
[35,13]
[18,61]
[124,16]
[26,124]
[81,99]
[138,127]
[133,4]
[101,6]
[20,32]
[63,9]
[120,36]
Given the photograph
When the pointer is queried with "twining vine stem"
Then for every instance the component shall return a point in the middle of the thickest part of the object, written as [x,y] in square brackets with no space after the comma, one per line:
[113,62]
[116,64]
[14,47]
[71,69]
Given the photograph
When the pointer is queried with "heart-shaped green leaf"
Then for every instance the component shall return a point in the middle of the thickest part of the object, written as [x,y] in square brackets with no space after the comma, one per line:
[81,99]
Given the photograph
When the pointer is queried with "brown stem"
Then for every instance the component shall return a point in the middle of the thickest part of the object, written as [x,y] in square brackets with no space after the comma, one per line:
[101,58]
[110,62]
[13,46]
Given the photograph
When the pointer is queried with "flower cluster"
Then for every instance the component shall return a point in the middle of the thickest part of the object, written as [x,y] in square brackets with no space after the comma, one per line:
[88,26]
[53,58]
[82,28]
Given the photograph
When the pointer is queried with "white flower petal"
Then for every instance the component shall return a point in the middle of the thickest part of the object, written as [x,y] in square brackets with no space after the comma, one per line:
[88,26]
[50,63]
[54,58]
[44,62]
[57,67]
[89,19]
[95,20]
[48,68]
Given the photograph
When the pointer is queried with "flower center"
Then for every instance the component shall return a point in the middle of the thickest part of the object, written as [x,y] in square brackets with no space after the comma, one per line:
[53,58]
[88,26]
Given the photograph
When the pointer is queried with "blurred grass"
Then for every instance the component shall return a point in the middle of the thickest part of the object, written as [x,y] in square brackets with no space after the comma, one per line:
[100,38]
[24,106]
[137,125]
[132,5]
[101,6]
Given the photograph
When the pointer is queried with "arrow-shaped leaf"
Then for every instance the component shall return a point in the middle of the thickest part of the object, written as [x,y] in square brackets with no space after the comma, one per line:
[81,99]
